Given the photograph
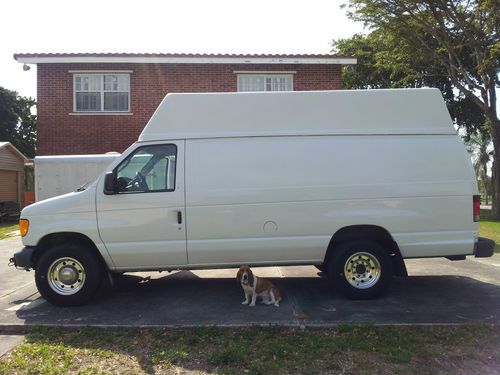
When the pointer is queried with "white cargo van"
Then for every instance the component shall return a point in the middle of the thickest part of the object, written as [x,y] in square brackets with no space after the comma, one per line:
[350,181]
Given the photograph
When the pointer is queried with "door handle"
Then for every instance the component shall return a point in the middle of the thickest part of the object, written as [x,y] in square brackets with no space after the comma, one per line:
[179,217]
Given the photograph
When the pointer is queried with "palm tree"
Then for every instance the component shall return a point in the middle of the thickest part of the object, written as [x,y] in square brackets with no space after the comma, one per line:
[480,148]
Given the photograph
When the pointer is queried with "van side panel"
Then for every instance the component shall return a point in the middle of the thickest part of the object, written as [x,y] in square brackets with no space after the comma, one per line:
[266,199]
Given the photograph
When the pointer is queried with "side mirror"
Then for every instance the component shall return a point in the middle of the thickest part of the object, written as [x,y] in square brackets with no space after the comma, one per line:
[110,183]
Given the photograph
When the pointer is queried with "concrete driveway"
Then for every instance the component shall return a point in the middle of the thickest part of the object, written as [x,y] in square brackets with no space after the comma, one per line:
[437,291]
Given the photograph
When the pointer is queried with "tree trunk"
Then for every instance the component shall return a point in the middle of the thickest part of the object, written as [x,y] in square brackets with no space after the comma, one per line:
[495,204]
[485,183]
[495,132]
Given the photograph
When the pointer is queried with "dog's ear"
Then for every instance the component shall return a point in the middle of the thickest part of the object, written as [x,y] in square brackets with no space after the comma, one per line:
[250,278]
[238,275]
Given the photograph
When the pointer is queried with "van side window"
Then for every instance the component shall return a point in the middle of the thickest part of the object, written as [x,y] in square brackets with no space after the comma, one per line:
[148,169]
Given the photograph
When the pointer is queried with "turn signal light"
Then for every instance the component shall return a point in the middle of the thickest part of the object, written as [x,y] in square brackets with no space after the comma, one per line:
[24,225]
[476,207]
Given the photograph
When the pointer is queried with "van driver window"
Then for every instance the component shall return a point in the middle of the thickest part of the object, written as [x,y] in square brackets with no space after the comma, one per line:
[148,169]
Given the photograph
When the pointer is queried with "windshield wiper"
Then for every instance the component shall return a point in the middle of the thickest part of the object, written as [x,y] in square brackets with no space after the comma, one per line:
[84,186]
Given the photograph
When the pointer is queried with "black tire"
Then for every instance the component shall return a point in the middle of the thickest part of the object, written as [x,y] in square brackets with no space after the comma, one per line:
[363,282]
[86,261]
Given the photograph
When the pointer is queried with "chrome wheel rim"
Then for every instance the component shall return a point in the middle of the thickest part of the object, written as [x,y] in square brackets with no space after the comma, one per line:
[362,270]
[66,276]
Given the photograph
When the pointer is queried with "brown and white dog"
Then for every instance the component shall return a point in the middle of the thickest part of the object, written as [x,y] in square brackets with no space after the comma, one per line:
[254,287]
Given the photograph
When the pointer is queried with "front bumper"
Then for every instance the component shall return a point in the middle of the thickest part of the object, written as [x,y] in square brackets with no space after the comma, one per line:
[23,258]
[484,248]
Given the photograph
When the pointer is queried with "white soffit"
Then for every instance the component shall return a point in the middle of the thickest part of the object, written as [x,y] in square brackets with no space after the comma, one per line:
[184,60]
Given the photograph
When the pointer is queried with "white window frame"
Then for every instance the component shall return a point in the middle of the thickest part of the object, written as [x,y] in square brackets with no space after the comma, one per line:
[101,75]
[288,75]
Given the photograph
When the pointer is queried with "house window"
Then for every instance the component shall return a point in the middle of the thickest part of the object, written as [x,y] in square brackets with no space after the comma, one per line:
[101,92]
[265,82]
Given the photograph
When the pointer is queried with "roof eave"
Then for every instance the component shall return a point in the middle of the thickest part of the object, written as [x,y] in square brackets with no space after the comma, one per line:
[27,59]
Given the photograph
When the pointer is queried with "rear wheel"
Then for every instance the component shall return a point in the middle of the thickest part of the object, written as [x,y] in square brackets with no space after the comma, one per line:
[68,275]
[361,269]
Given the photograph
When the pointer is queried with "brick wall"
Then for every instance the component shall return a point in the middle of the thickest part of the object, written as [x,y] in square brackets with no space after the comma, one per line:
[60,133]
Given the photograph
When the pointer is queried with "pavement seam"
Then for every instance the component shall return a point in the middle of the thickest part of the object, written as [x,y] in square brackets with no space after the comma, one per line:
[15,290]
[7,346]
[297,311]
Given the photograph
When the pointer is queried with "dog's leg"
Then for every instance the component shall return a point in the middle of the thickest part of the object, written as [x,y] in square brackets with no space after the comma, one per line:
[247,299]
[273,299]
[254,299]
[267,300]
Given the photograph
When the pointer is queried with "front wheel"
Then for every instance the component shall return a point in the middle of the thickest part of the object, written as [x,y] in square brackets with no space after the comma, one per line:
[68,275]
[361,269]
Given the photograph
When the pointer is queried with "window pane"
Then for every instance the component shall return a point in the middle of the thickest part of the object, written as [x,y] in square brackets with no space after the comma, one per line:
[269,82]
[113,82]
[243,83]
[88,101]
[78,83]
[85,83]
[260,82]
[94,83]
[252,83]
[286,83]
[122,82]
[110,83]
[116,101]
[279,83]
[150,168]
[88,83]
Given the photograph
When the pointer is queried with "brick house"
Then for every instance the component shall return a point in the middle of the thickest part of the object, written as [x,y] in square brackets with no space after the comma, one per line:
[95,103]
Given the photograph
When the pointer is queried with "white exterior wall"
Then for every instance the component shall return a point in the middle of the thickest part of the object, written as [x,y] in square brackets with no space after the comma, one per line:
[57,175]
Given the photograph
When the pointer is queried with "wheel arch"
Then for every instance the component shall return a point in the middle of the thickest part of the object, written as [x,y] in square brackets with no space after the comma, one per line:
[372,233]
[60,238]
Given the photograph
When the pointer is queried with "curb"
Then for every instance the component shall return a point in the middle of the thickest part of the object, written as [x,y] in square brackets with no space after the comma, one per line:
[17,329]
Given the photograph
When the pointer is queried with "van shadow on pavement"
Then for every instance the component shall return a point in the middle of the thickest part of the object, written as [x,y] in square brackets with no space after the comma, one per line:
[183,298]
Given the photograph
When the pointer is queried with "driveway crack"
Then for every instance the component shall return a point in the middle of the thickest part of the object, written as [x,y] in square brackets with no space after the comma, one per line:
[298,314]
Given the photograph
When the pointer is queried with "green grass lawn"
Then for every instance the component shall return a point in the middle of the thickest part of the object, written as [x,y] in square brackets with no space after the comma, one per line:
[7,228]
[360,349]
[490,228]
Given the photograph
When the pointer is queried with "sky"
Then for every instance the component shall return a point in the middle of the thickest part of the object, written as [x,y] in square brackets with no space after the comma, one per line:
[169,26]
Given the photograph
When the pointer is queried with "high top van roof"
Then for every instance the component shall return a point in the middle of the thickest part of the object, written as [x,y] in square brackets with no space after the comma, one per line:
[353,112]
